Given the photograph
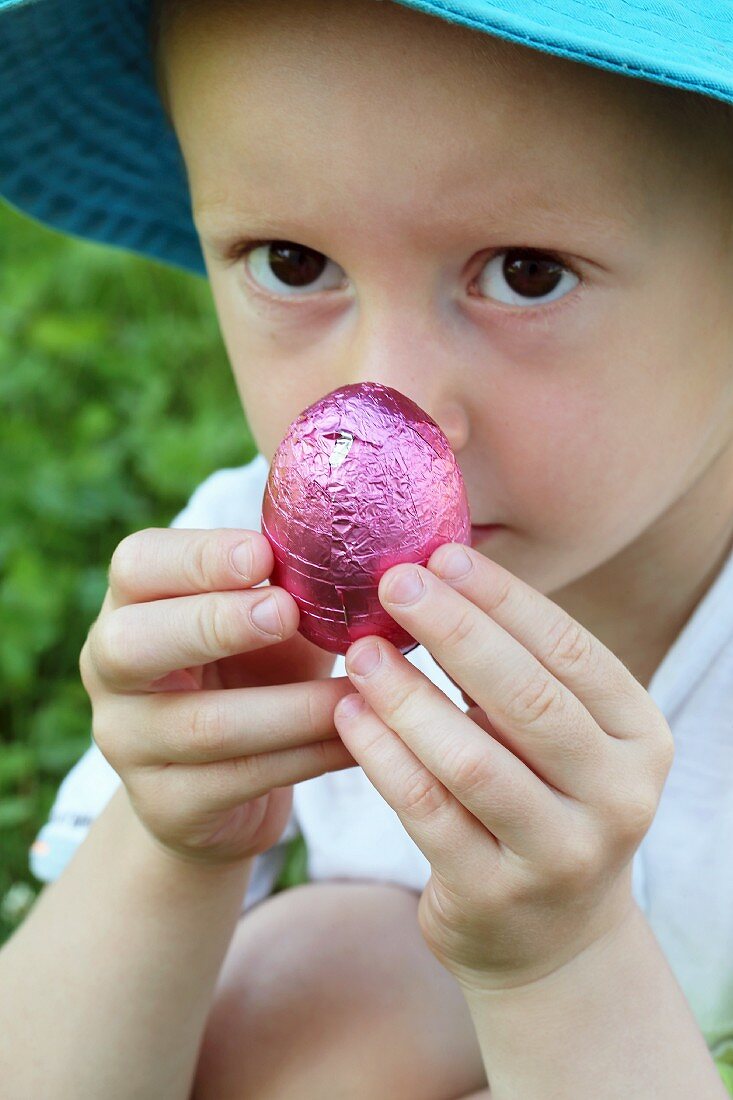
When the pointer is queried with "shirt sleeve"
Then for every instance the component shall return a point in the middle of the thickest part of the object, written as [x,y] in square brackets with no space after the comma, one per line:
[228,498]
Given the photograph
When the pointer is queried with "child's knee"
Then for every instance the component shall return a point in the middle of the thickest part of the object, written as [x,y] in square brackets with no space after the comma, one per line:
[326,991]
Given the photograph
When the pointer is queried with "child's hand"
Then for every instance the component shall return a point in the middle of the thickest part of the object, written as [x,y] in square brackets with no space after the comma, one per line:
[205,717]
[529,817]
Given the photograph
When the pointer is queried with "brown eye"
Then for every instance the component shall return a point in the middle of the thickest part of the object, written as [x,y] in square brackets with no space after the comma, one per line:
[531,276]
[522,275]
[295,265]
[278,265]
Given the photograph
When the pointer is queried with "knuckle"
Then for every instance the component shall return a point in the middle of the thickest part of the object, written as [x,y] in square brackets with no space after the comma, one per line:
[404,704]
[86,666]
[197,566]
[423,795]
[639,816]
[208,730]
[633,814]
[571,646]
[460,631]
[103,735]
[160,799]
[125,561]
[253,773]
[325,754]
[534,699]
[664,748]
[468,771]
[313,715]
[578,861]
[112,647]
[656,741]
[502,595]
[98,732]
[215,625]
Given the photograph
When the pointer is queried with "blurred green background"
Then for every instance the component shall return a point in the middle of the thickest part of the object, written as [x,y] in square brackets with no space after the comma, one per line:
[116,401]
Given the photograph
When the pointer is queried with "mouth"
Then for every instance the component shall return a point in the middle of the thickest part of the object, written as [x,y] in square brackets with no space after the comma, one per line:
[482,531]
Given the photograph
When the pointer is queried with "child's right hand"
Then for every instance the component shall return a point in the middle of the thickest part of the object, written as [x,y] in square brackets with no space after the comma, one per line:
[206,724]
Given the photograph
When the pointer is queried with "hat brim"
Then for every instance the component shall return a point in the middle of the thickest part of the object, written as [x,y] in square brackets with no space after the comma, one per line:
[85,145]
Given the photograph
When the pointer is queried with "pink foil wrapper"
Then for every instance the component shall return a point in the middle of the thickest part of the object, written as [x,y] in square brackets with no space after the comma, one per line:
[363,480]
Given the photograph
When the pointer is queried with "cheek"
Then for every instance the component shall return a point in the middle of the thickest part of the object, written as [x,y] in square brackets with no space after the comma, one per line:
[275,380]
[599,462]
[271,407]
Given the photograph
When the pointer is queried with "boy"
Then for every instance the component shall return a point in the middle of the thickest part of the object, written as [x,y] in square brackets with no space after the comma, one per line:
[513,241]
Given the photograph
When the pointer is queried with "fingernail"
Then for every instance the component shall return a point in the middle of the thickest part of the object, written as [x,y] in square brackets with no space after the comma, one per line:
[406,587]
[266,616]
[242,559]
[350,706]
[454,563]
[365,660]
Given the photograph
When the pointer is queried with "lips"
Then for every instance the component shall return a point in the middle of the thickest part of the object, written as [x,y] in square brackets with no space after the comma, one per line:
[482,531]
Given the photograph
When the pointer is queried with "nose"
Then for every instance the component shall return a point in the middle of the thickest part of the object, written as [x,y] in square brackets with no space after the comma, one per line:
[452,419]
[419,367]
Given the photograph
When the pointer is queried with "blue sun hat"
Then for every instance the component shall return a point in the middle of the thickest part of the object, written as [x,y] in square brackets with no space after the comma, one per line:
[85,145]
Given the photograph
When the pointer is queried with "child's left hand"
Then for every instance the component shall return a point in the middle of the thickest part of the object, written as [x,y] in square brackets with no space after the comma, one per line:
[530,807]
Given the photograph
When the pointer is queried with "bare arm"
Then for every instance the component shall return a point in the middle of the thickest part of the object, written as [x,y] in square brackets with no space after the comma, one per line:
[209,721]
[105,988]
[614,1023]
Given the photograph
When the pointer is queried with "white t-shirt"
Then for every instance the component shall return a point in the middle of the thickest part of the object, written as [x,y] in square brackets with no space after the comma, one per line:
[682,872]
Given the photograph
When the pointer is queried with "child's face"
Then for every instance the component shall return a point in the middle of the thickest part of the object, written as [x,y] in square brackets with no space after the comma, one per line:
[583,402]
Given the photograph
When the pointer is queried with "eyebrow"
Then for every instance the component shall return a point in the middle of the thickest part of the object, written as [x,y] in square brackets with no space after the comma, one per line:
[520,213]
[215,218]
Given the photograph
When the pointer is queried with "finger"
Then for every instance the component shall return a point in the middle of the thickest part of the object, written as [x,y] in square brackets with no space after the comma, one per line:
[591,671]
[160,562]
[535,715]
[196,727]
[137,644]
[200,789]
[486,778]
[439,772]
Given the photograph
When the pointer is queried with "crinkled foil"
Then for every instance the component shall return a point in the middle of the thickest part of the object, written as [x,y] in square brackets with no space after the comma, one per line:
[363,480]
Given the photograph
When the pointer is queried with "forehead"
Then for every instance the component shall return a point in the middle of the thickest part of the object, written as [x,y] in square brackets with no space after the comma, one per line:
[268,95]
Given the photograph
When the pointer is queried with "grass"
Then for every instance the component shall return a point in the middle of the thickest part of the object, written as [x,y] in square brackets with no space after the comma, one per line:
[116,401]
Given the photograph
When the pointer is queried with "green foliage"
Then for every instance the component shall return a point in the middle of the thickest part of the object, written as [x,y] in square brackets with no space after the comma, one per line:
[116,401]
[295,868]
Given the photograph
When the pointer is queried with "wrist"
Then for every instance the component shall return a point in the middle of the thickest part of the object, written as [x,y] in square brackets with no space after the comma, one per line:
[612,1022]
[152,858]
[587,967]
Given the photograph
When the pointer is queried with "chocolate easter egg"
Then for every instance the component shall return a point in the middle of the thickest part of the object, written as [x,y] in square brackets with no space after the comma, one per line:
[364,479]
